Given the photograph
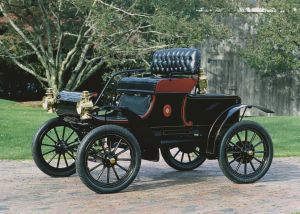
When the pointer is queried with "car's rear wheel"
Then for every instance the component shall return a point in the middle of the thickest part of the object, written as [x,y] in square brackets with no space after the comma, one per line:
[246,152]
[108,159]
[54,148]
[183,158]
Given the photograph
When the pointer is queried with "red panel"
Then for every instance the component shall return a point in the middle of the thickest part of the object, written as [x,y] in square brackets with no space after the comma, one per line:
[146,115]
[182,85]
[183,114]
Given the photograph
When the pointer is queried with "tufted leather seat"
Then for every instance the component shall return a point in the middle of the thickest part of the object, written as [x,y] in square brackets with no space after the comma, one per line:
[176,60]
[166,62]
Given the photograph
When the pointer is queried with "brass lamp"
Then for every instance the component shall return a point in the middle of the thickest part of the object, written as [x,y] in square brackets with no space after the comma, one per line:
[49,100]
[85,106]
[202,81]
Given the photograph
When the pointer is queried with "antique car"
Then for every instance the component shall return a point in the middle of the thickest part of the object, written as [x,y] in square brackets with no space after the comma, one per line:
[163,108]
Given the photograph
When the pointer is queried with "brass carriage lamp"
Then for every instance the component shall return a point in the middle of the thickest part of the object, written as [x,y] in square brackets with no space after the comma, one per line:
[202,81]
[49,100]
[85,106]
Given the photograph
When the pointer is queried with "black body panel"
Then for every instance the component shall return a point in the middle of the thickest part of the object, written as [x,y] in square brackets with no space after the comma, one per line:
[203,110]
[66,103]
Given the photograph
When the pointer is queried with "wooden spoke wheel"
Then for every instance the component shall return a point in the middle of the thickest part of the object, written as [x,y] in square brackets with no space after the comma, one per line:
[54,148]
[108,159]
[183,158]
[246,152]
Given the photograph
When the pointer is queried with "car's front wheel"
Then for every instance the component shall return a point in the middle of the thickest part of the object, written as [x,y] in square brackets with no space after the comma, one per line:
[108,159]
[54,148]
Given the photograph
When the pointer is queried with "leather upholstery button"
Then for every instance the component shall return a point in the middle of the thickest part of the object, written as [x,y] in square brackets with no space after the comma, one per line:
[176,60]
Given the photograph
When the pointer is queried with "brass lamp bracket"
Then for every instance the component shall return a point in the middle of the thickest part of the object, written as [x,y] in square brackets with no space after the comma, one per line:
[85,106]
[202,81]
[49,100]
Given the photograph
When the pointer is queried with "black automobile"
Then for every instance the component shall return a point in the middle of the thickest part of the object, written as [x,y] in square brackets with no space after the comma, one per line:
[162,108]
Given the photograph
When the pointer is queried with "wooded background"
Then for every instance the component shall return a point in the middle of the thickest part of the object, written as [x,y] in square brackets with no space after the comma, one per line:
[249,48]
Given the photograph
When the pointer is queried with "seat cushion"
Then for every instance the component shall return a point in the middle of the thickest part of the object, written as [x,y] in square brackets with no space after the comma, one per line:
[176,61]
[136,85]
[150,85]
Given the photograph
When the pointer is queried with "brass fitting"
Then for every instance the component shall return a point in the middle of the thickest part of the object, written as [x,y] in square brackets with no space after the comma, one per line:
[202,81]
[85,106]
[49,100]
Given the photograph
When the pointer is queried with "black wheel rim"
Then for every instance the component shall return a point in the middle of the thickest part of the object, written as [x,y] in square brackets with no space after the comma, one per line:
[109,160]
[185,156]
[59,146]
[247,153]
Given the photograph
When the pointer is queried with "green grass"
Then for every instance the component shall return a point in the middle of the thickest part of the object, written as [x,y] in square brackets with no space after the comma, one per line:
[285,133]
[18,124]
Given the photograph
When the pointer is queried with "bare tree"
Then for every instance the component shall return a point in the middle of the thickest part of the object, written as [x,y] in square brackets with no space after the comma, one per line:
[64,42]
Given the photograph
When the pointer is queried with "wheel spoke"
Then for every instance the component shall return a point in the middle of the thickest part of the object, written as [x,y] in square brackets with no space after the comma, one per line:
[124,150]
[245,169]
[253,137]
[101,173]
[260,152]
[52,158]
[102,145]
[117,146]
[108,174]
[51,139]
[58,161]
[124,159]
[74,141]
[189,157]
[182,157]
[116,173]
[109,145]
[253,168]
[56,134]
[238,166]
[46,153]
[235,144]
[95,167]
[176,154]
[65,160]
[257,160]
[197,154]
[71,155]
[121,167]
[234,160]
[246,133]
[63,134]
[257,144]
[70,135]
[238,136]
[73,146]
[48,145]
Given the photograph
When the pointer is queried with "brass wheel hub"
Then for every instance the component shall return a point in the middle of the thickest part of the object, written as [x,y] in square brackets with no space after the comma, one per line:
[109,160]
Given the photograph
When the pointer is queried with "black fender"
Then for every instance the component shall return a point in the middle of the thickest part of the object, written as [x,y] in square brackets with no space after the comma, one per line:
[148,142]
[221,120]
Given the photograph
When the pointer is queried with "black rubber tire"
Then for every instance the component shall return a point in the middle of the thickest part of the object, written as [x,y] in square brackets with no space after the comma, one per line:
[37,154]
[91,137]
[225,166]
[172,162]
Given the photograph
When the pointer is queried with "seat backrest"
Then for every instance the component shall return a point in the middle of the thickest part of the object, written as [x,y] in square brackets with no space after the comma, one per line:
[176,61]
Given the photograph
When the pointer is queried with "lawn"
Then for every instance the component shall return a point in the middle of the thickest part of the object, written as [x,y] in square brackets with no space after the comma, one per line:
[18,124]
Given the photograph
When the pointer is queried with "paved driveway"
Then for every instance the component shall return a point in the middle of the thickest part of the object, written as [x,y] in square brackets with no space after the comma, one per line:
[157,189]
